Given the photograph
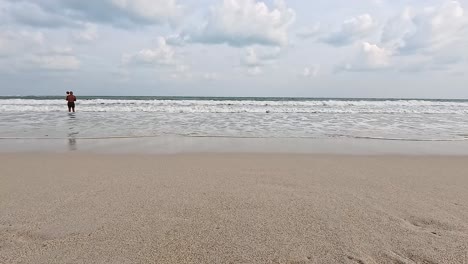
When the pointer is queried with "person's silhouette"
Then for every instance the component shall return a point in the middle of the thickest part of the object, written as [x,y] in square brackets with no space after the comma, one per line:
[71,99]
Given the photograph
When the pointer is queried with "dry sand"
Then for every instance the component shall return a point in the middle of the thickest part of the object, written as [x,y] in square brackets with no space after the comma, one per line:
[232,208]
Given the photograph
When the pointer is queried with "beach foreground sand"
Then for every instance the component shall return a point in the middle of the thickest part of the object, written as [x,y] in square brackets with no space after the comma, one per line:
[232,208]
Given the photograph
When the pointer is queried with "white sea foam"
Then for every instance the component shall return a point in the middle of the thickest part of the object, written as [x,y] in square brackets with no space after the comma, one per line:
[244,106]
[110,118]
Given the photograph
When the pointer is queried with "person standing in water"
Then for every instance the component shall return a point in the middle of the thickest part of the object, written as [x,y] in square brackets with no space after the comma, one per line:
[71,101]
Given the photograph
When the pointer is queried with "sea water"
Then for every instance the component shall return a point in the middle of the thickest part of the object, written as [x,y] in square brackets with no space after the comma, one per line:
[127,117]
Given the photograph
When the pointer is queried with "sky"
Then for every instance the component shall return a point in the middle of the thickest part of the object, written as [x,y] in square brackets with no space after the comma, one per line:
[294,48]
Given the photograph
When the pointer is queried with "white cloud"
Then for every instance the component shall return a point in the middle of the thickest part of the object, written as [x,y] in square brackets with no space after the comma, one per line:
[34,13]
[256,58]
[312,71]
[260,56]
[177,39]
[309,32]
[59,13]
[163,58]
[247,22]
[30,50]
[56,62]
[368,57]
[352,30]
[152,10]
[58,50]
[427,39]
[428,30]
[396,28]
[254,71]
[14,43]
[90,33]
[424,39]
[251,58]
[161,55]
[377,2]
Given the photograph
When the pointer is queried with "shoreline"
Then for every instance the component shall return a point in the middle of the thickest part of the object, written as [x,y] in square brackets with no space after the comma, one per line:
[232,208]
[182,144]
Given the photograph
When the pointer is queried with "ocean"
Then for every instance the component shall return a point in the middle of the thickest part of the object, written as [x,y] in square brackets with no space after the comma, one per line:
[127,117]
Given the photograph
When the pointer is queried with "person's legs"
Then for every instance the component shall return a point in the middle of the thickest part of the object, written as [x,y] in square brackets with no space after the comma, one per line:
[73,108]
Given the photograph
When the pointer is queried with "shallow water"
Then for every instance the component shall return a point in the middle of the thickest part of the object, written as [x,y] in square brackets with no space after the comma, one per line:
[414,120]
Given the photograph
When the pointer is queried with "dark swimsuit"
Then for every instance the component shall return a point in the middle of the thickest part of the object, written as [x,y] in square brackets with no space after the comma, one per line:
[71,103]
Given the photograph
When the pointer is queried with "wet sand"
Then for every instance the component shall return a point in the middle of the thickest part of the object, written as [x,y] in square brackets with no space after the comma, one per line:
[232,208]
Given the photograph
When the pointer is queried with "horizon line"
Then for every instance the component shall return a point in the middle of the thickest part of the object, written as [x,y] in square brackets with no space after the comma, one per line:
[245,97]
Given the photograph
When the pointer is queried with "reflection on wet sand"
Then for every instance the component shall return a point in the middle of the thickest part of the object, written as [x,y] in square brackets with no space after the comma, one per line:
[72,141]
[72,146]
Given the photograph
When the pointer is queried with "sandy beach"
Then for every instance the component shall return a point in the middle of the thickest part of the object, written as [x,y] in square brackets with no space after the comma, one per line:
[233,208]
